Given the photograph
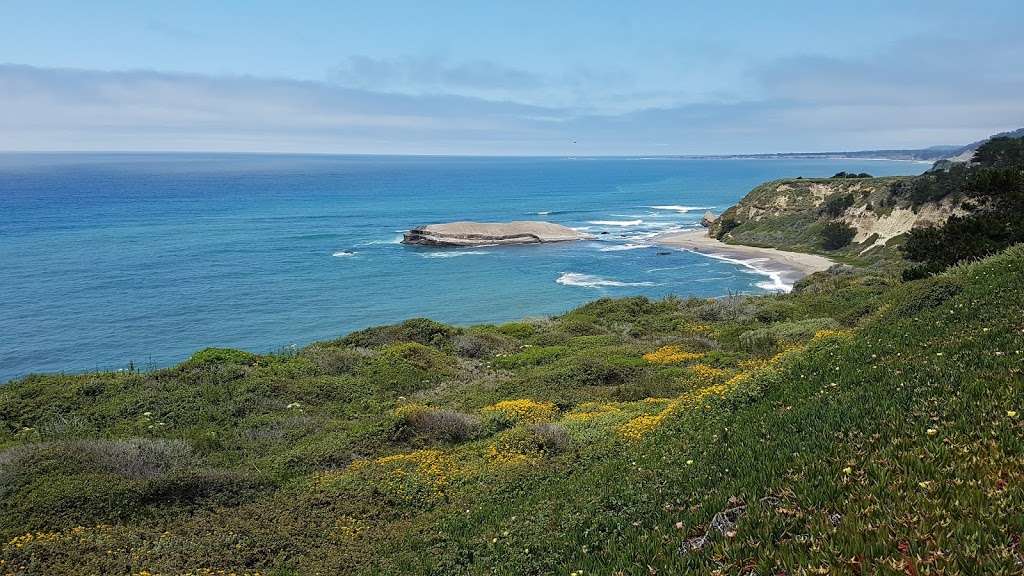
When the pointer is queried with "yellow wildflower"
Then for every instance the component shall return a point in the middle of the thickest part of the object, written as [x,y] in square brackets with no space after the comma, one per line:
[706,373]
[523,410]
[671,355]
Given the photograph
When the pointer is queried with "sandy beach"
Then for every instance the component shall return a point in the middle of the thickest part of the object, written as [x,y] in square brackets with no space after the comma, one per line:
[784,268]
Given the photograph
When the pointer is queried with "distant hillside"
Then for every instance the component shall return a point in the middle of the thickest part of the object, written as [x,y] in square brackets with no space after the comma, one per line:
[958,153]
[964,153]
[930,154]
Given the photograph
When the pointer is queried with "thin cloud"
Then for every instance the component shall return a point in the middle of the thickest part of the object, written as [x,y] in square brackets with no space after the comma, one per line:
[802,103]
[425,74]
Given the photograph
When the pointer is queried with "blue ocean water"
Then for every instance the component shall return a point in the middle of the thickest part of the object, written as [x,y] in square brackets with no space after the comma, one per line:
[107,259]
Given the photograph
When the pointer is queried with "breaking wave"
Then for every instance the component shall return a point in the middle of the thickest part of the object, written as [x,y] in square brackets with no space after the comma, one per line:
[588,281]
[616,222]
[621,247]
[680,209]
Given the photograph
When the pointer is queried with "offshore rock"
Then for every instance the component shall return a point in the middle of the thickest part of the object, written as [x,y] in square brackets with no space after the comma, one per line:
[479,233]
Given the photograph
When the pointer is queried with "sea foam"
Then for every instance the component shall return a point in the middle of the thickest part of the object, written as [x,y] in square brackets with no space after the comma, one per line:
[616,222]
[454,254]
[622,247]
[774,282]
[589,281]
[680,209]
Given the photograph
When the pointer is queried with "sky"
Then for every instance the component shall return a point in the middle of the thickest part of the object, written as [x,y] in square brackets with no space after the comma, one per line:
[511,78]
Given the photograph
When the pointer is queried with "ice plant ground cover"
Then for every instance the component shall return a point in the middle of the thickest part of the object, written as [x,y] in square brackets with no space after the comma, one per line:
[872,426]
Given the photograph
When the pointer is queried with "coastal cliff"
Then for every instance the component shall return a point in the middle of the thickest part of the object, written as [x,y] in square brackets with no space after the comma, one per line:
[797,213]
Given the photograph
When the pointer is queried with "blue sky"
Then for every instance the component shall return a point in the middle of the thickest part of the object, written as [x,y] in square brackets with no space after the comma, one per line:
[515,78]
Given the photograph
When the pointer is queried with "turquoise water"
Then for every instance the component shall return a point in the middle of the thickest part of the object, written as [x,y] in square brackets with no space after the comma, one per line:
[107,259]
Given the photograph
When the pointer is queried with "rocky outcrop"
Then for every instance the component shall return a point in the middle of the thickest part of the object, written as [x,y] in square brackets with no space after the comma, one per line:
[478,233]
[708,219]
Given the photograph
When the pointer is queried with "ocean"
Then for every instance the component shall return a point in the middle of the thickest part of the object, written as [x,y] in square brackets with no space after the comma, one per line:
[111,259]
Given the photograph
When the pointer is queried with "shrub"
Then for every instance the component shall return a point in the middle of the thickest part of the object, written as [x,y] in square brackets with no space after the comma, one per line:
[519,330]
[437,424]
[764,341]
[726,225]
[759,342]
[137,458]
[534,440]
[698,343]
[407,367]
[851,175]
[837,204]
[733,307]
[420,330]
[221,356]
[930,297]
[482,344]
[131,458]
[836,235]
[334,360]
[594,368]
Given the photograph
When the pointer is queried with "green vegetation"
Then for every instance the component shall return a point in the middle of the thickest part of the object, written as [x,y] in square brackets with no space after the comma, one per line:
[859,425]
[835,235]
[994,186]
[851,175]
[837,204]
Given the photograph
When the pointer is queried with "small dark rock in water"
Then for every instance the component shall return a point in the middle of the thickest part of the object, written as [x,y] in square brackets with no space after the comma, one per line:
[604,232]
[663,253]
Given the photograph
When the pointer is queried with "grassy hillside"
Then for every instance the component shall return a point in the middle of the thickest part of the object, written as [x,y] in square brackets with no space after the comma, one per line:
[857,426]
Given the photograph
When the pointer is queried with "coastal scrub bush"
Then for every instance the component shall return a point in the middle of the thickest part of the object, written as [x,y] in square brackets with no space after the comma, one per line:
[335,360]
[436,424]
[930,297]
[764,341]
[136,458]
[734,308]
[698,343]
[851,175]
[406,367]
[518,330]
[726,224]
[419,330]
[837,204]
[593,368]
[836,235]
[221,356]
[482,343]
[544,439]
[760,342]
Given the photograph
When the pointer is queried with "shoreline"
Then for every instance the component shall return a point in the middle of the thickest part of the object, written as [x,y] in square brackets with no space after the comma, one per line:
[782,267]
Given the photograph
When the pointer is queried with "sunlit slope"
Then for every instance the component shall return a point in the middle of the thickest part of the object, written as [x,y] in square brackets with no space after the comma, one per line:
[858,426]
